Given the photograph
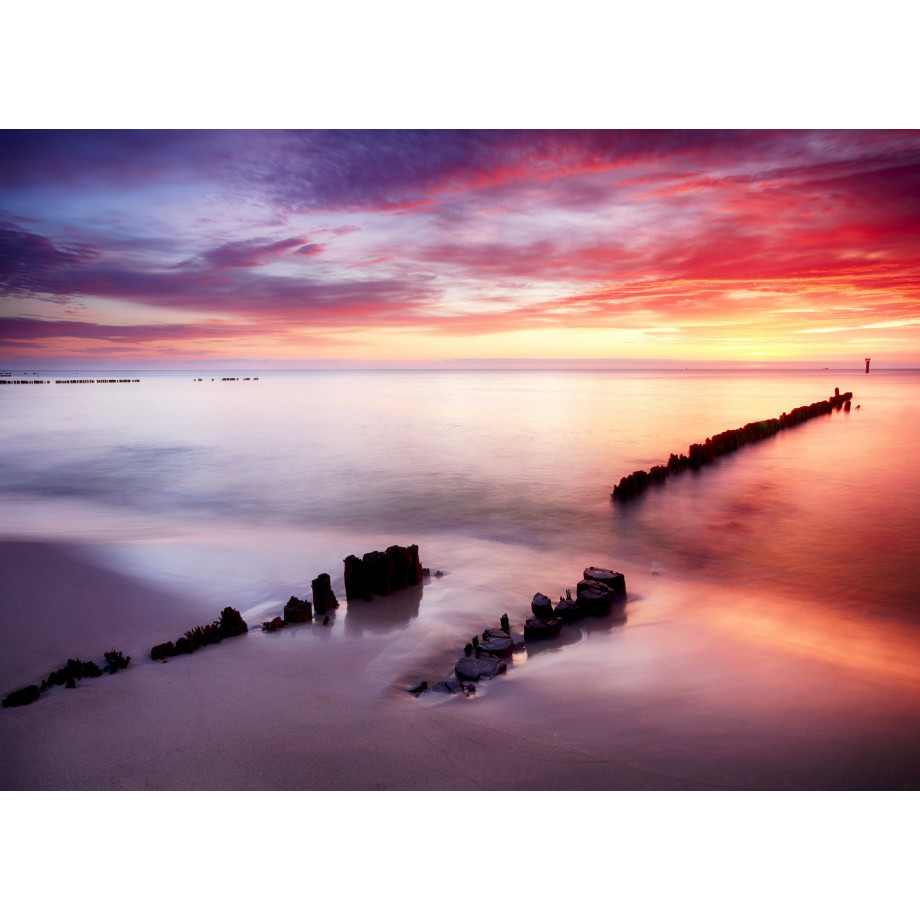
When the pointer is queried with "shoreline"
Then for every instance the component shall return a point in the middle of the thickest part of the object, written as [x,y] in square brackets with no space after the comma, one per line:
[679,697]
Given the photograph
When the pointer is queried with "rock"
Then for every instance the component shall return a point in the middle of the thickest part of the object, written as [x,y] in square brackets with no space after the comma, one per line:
[499,645]
[506,623]
[231,623]
[162,651]
[115,661]
[298,611]
[496,634]
[21,697]
[538,628]
[273,625]
[614,580]
[479,668]
[184,646]
[594,597]
[450,685]
[567,610]
[419,688]
[541,606]
[323,598]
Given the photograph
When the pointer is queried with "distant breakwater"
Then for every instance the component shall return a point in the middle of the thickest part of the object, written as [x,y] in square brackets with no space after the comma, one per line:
[726,442]
[67,381]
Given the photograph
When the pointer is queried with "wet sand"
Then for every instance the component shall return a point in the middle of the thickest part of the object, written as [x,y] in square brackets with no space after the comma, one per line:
[701,688]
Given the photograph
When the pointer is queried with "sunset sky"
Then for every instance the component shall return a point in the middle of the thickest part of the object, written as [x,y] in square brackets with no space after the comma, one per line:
[435,248]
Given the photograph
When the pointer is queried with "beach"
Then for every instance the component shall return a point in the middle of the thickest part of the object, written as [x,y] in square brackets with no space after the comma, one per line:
[723,695]
[743,662]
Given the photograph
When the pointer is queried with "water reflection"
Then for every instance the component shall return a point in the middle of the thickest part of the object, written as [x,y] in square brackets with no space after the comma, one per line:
[383,614]
[616,617]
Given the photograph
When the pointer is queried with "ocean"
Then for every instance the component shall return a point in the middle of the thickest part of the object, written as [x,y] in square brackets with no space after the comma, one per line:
[772,628]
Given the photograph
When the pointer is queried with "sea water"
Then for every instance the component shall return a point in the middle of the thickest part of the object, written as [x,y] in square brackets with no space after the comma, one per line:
[773,594]
[512,459]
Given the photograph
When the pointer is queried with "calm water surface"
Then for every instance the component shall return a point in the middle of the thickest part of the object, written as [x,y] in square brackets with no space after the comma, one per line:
[829,509]
[773,608]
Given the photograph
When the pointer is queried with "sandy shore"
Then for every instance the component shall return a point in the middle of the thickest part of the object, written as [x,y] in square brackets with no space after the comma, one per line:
[708,695]
[311,707]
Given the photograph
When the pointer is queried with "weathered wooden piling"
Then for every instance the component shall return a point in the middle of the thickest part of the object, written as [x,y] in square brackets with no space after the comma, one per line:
[725,442]
[382,572]
[323,597]
[598,594]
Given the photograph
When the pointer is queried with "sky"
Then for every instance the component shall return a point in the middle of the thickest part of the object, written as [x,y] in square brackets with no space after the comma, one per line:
[403,248]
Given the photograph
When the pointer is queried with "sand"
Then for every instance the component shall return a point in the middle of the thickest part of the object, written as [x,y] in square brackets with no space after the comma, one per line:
[720,694]
[711,695]
[310,707]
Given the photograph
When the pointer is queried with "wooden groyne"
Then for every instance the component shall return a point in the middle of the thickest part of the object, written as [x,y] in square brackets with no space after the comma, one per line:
[727,441]
[97,381]
[67,381]
[67,676]
[600,593]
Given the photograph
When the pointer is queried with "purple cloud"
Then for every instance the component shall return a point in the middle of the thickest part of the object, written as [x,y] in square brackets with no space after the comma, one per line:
[249,253]
[28,260]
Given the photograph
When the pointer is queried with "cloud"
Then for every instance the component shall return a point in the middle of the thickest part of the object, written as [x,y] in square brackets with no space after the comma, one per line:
[460,232]
[30,261]
[260,251]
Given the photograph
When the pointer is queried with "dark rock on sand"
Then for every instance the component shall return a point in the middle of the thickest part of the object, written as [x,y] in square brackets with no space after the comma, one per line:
[496,634]
[451,685]
[298,611]
[496,645]
[162,651]
[541,606]
[273,625]
[21,697]
[419,688]
[567,610]
[323,597]
[594,597]
[231,623]
[538,628]
[73,670]
[479,668]
[115,661]
[614,580]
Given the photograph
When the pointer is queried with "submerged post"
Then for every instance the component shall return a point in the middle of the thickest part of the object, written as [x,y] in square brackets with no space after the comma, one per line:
[867,364]
[727,441]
